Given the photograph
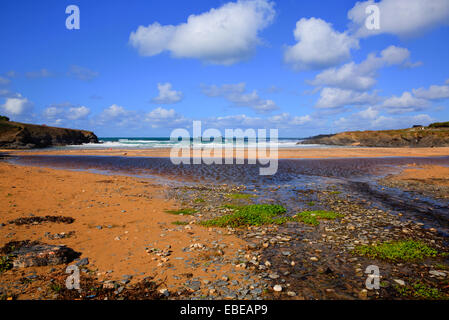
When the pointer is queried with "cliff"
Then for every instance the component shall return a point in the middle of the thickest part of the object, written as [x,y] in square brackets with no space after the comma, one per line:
[16,135]
[419,136]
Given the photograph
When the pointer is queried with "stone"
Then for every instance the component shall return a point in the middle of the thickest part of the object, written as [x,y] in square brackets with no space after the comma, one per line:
[108,284]
[164,292]
[194,286]
[363,294]
[82,262]
[277,288]
[42,254]
[399,282]
[437,273]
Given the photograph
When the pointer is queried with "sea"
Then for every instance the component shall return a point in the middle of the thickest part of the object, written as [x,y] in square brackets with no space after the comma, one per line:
[165,142]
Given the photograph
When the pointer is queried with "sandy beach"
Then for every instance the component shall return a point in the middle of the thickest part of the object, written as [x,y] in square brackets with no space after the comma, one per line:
[283,153]
[118,221]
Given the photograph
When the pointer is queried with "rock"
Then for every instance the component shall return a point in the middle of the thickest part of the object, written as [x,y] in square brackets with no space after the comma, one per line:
[363,294]
[314,259]
[399,282]
[42,255]
[164,292]
[437,273]
[273,276]
[277,288]
[109,284]
[194,285]
[82,262]
[291,293]
[16,135]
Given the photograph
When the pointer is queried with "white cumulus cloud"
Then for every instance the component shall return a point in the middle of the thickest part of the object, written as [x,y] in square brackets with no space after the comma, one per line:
[225,35]
[16,106]
[434,92]
[404,103]
[401,17]
[331,98]
[167,95]
[319,46]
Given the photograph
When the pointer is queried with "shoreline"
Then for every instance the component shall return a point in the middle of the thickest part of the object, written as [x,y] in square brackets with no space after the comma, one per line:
[122,227]
[297,153]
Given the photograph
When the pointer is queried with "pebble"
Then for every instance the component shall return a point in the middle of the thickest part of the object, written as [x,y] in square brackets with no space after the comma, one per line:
[399,282]
[164,292]
[437,273]
[277,288]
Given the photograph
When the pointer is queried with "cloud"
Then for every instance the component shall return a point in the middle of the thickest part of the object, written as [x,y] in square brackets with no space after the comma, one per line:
[167,118]
[167,95]
[114,111]
[361,76]
[4,81]
[42,73]
[282,120]
[78,113]
[237,95]
[16,106]
[223,36]
[319,46]
[405,103]
[433,93]
[332,98]
[81,73]
[401,17]
[370,119]
[59,113]
[11,74]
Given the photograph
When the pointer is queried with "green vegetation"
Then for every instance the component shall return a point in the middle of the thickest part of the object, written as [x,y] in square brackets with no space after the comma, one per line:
[312,217]
[199,200]
[240,196]
[4,118]
[440,266]
[184,211]
[335,192]
[5,263]
[421,291]
[249,215]
[406,250]
[311,203]
[55,287]
[180,223]
[439,125]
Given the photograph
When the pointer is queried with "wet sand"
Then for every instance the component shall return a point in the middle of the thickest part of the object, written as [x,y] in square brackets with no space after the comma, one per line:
[298,153]
[429,180]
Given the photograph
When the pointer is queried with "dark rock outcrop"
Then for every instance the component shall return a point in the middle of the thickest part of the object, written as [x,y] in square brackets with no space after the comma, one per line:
[32,253]
[412,137]
[16,135]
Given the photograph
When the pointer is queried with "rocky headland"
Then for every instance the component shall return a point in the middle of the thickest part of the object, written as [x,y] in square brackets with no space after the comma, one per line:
[434,135]
[16,135]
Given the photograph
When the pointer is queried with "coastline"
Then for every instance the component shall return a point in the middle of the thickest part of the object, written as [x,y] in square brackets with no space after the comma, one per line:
[122,227]
[283,153]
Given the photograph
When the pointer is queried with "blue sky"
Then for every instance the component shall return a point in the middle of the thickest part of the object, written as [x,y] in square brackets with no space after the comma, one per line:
[143,68]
